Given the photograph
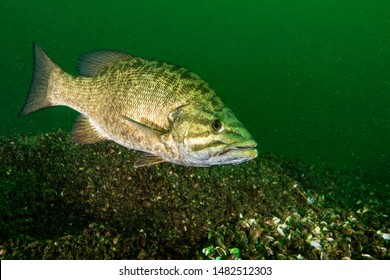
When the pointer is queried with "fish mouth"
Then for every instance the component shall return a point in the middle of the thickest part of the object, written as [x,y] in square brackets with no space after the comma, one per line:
[248,149]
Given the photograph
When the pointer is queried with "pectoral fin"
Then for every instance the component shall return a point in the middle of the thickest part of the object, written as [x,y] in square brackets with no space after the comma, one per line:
[146,128]
[148,159]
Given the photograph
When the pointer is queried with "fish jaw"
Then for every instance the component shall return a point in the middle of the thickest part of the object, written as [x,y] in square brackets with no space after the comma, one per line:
[239,152]
[235,153]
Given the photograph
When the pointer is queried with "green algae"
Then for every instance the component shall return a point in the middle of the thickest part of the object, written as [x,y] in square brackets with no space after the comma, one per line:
[60,200]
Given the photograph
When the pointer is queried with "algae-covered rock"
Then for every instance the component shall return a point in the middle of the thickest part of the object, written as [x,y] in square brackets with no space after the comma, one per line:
[59,200]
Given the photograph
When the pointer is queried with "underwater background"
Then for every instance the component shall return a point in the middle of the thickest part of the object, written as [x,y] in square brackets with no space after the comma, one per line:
[308,79]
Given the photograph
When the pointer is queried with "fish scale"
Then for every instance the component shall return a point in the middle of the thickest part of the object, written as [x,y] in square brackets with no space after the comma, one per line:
[161,109]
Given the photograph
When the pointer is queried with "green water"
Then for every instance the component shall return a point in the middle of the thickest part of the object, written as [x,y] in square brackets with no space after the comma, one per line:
[309,79]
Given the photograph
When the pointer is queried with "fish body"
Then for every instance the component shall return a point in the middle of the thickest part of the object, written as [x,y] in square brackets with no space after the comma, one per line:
[161,109]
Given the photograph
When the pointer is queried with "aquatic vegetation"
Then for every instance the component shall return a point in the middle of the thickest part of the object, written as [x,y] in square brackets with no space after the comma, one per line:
[63,201]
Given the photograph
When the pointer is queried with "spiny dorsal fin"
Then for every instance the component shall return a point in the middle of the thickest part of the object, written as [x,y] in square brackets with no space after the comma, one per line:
[148,159]
[90,64]
[84,132]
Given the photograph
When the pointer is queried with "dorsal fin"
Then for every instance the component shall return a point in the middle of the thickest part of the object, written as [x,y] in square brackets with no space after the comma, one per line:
[90,64]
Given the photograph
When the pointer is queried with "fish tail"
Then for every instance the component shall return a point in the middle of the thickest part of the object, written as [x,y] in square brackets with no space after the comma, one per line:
[41,88]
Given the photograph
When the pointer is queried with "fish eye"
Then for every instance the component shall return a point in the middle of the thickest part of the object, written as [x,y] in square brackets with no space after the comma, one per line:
[217,125]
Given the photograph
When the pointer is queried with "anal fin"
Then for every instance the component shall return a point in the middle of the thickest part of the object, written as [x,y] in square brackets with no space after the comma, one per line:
[84,132]
[147,159]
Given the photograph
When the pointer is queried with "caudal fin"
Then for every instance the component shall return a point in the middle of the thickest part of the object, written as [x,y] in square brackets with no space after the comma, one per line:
[39,90]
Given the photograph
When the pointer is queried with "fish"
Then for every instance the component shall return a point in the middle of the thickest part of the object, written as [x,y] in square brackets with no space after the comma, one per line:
[160,109]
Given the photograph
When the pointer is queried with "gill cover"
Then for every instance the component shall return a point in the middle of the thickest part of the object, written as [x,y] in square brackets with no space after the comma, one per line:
[179,122]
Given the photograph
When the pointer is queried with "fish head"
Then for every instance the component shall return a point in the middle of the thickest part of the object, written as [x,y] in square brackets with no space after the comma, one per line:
[211,135]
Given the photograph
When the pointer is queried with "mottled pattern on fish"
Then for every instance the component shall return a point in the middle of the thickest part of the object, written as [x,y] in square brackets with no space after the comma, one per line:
[126,88]
[147,105]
